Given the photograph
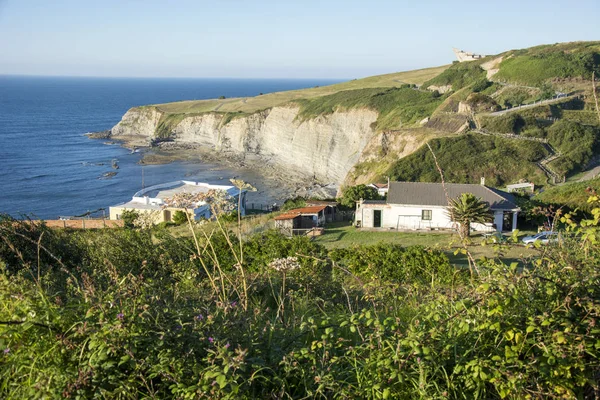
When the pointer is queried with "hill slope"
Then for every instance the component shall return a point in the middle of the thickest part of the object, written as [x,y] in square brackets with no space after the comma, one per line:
[361,130]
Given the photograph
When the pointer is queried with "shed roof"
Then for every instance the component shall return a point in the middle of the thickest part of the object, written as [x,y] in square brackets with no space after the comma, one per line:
[432,194]
[291,214]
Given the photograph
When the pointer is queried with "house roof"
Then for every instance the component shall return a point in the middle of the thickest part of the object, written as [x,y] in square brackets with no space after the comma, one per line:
[291,214]
[432,194]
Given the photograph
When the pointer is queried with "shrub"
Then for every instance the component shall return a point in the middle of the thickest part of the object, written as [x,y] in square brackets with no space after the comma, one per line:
[290,204]
[394,263]
[180,217]
[353,194]
[129,218]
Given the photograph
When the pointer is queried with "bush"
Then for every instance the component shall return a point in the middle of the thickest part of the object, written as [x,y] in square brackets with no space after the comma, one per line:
[393,263]
[481,85]
[290,204]
[352,194]
[180,217]
[129,218]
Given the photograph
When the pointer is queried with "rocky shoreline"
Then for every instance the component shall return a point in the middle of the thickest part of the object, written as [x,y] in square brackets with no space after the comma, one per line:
[285,184]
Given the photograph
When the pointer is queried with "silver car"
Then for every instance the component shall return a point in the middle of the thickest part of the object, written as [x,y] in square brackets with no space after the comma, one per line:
[543,237]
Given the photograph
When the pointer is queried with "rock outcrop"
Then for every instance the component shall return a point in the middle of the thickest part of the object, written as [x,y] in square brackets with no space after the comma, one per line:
[324,148]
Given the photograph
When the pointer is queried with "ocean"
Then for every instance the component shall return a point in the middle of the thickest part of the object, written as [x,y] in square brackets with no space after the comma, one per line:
[49,168]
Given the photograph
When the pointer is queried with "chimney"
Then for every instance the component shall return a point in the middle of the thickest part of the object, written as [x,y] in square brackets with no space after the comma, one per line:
[483,181]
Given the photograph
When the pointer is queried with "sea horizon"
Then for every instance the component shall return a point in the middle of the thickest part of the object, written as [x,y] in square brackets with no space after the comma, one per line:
[51,169]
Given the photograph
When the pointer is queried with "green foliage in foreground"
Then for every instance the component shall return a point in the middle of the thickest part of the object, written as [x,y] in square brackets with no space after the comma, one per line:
[466,158]
[397,107]
[132,314]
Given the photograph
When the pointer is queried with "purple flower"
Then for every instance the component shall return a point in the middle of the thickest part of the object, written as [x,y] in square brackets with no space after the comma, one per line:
[227,345]
[199,317]
[6,350]
[211,340]
[233,304]
[120,316]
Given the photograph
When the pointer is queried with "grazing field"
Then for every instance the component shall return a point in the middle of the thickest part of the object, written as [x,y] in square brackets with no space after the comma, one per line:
[257,103]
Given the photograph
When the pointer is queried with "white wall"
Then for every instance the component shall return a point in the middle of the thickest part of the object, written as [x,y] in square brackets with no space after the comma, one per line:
[409,217]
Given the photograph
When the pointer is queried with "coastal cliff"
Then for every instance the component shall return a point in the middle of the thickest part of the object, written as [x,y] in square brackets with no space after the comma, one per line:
[325,148]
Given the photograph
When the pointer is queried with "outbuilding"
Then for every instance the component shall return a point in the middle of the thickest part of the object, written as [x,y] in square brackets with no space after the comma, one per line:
[301,220]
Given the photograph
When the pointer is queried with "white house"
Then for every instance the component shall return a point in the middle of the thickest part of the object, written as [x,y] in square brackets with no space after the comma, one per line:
[418,205]
[153,200]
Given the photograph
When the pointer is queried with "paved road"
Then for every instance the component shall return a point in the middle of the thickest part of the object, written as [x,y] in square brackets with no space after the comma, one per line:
[558,99]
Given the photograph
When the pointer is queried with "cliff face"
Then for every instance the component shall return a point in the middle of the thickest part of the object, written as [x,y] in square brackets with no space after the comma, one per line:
[326,147]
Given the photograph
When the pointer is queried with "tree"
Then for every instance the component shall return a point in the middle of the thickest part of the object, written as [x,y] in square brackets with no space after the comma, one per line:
[354,193]
[129,218]
[467,209]
[180,217]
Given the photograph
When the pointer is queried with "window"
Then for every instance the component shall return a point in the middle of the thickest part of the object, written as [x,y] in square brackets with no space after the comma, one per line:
[425,215]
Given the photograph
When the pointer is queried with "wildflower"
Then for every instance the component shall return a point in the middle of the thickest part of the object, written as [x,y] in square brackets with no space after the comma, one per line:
[6,350]
[199,317]
[418,359]
[211,339]
[227,345]
[234,303]
[284,264]
[120,316]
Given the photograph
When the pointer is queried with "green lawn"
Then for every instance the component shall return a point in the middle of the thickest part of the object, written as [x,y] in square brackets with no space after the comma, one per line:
[342,234]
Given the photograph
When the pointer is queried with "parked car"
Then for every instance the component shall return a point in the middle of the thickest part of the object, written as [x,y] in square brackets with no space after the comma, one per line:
[543,237]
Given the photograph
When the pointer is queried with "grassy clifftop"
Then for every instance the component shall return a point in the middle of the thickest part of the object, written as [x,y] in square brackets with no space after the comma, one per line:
[411,102]
[253,104]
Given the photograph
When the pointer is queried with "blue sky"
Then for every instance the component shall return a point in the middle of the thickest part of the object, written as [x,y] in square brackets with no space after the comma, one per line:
[273,39]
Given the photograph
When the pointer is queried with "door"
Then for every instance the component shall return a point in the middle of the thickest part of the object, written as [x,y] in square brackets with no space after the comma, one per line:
[507,220]
[377,218]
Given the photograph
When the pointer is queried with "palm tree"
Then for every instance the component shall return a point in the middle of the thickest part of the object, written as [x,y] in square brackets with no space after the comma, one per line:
[467,209]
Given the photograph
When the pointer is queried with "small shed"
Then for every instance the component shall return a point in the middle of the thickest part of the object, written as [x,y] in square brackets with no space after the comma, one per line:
[301,220]
[330,208]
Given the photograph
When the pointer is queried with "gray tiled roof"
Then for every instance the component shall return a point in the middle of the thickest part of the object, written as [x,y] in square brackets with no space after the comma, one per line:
[432,194]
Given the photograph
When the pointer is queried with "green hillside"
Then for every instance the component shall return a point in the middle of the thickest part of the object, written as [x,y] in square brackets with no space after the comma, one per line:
[443,101]
[467,158]
[574,195]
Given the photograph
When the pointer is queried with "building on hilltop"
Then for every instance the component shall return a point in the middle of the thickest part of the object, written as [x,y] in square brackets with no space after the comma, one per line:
[464,56]
[419,205]
[161,201]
